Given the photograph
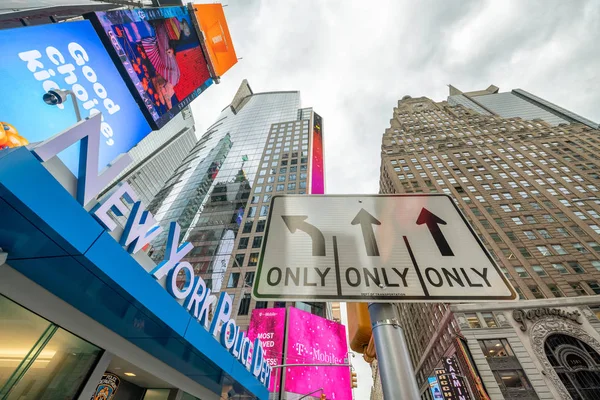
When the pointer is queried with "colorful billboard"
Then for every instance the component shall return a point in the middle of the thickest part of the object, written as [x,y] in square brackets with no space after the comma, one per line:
[434,387]
[159,55]
[268,325]
[312,339]
[67,56]
[318,168]
[217,39]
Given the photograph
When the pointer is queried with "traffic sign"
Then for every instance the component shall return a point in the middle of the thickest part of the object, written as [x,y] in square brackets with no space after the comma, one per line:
[376,248]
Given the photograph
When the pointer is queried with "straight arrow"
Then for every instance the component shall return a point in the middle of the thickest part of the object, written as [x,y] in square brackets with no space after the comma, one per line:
[297,222]
[366,222]
[433,224]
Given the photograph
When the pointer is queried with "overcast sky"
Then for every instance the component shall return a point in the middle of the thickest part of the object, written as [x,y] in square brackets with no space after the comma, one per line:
[353,60]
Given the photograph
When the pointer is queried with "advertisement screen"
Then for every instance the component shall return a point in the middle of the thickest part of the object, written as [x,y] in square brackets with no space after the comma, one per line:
[217,38]
[159,54]
[312,339]
[318,174]
[435,388]
[67,56]
[268,324]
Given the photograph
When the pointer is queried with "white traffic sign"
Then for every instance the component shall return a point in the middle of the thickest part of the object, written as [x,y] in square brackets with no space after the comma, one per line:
[375,248]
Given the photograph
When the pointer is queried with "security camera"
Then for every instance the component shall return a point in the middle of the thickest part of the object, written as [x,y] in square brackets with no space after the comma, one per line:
[55,96]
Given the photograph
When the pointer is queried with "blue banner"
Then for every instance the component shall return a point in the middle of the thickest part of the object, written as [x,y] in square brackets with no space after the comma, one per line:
[68,56]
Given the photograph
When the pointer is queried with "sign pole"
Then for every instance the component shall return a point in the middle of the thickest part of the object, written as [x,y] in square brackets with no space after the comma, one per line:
[396,371]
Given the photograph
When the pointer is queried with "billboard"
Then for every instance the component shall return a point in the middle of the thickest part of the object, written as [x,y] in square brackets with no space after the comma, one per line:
[434,387]
[312,339]
[317,184]
[67,56]
[159,55]
[217,39]
[268,324]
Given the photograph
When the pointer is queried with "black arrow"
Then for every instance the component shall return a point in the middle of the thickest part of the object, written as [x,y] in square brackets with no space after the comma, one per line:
[433,221]
[366,222]
[295,222]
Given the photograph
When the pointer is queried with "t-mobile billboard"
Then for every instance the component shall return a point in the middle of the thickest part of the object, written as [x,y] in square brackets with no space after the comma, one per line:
[268,324]
[312,339]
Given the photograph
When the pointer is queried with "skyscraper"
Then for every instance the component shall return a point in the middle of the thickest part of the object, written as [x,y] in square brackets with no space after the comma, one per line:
[259,146]
[157,156]
[525,174]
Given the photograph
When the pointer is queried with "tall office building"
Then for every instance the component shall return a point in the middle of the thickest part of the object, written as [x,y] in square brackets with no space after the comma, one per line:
[156,157]
[260,145]
[525,174]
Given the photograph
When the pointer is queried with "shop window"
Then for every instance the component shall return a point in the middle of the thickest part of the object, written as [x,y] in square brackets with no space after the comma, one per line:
[39,359]
[473,320]
[496,348]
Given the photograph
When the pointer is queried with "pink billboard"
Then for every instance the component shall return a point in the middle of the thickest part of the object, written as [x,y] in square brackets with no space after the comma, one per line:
[312,339]
[317,185]
[268,324]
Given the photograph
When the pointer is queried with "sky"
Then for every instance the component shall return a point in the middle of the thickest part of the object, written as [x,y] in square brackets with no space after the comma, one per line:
[353,60]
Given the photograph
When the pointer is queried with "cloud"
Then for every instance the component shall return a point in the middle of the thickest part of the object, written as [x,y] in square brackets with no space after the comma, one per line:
[353,60]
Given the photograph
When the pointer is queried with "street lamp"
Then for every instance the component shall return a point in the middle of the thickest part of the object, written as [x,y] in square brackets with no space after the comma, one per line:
[55,97]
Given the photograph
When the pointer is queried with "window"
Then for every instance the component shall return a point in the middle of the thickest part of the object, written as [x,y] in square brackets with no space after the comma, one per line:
[560,268]
[596,264]
[512,379]
[544,233]
[576,267]
[511,235]
[537,293]
[253,260]
[596,311]
[244,305]
[544,250]
[539,270]
[555,290]
[260,226]
[279,188]
[530,235]
[495,237]
[594,246]
[594,286]
[473,320]
[548,218]
[517,220]
[530,219]
[579,247]
[243,243]
[489,319]
[522,272]
[578,289]
[249,278]
[559,249]
[233,280]
[495,348]
[524,252]
[256,242]
[239,260]
[247,227]
[563,232]
[262,304]
[49,362]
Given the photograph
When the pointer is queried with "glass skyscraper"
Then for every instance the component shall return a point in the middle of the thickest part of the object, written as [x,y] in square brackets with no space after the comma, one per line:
[220,193]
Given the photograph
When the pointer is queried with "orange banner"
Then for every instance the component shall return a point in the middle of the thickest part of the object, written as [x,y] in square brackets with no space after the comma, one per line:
[211,19]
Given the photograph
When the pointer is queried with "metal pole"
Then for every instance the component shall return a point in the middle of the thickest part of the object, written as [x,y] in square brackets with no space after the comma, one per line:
[395,368]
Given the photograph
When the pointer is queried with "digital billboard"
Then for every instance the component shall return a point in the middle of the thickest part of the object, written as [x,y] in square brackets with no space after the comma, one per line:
[312,339]
[217,39]
[434,387]
[318,173]
[268,325]
[67,56]
[159,55]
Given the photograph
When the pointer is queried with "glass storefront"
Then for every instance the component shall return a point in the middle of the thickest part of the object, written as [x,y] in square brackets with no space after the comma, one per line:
[38,359]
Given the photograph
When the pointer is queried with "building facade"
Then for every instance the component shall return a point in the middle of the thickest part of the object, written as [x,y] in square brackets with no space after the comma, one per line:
[156,157]
[260,145]
[525,174]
